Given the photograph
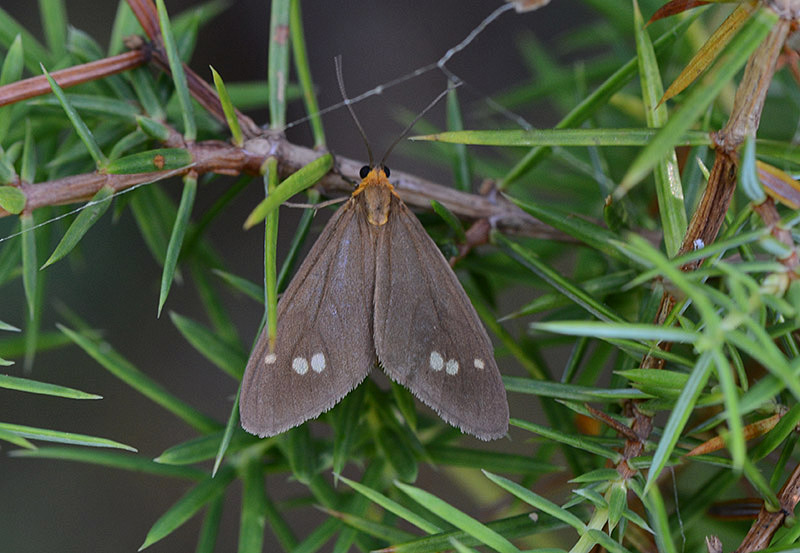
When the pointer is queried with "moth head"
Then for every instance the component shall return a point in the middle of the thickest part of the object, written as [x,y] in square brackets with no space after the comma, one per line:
[366,170]
[375,192]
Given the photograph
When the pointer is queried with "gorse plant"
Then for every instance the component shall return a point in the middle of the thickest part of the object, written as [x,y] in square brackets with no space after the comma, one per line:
[680,310]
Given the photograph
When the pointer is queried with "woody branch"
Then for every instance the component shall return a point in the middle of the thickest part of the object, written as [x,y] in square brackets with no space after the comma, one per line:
[225,158]
[707,221]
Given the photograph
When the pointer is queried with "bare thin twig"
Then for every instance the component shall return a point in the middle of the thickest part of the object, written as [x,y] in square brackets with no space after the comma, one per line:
[71,76]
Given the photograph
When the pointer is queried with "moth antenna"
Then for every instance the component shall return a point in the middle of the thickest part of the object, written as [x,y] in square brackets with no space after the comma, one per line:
[407,130]
[338,62]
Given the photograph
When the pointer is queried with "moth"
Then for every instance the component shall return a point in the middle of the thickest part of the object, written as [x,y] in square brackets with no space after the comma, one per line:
[374,289]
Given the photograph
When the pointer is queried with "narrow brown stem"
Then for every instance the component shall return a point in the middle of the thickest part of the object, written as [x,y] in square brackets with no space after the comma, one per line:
[223,158]
[71,76]
[147,15]
[767,522]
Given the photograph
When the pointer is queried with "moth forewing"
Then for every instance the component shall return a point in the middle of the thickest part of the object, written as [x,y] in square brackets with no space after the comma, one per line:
[428,336]
[323,347]
[374,287]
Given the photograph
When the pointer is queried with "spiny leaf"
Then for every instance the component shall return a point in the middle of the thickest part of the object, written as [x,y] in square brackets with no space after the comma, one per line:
[228,109]
[734,57]
[88,216]
[183,509]
[178,75]
[227,357]
[176,238]
[80,127]
[103,353]
[112,459]
[29,264]
[561,137]
[459,519]
[35,387]
[667,173]
[297,182]
[61,437]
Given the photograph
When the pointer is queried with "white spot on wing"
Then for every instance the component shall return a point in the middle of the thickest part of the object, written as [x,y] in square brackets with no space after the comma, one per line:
[270,358]
[451,367]
[318,362]
[300,365]
[479,363]
[436,361]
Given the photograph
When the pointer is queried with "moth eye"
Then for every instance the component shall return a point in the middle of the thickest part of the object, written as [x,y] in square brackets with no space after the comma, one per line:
[364,172]
[386,171]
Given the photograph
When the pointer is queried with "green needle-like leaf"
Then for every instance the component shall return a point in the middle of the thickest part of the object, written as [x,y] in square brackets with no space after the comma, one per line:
[577,441]
[176,239]
[30,267]
[301,64]
[537,501]
[34,387]
[104,354]
[459,519]
[278,62]
[678,417]
[667,173]
[227,357]
[80,127]
[205,492]
[561,137]
[732,59]
[112,459]
[178,75]
[451,220]
[297,182]
[392,506]
[61,437]
[254,503]
[228,109]
[161,159]
[88,216]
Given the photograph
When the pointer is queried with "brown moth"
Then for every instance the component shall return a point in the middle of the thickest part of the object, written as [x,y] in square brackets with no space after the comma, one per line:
[374,288]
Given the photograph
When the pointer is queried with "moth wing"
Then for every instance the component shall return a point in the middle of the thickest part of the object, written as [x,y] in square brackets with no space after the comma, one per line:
[428,336]
[324,345]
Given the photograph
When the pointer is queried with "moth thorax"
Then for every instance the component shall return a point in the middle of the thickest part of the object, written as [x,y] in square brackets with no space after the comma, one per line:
[376,201]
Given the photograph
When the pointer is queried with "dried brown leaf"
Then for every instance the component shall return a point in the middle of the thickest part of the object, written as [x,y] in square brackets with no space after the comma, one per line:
[751,431]
[780,186]
[674,7]
[710,50]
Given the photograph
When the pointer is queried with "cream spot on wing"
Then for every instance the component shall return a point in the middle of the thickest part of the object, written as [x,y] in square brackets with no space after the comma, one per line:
[479,363]
[300,365]
[318,362]
[436,361]
[270,358]
[451,367]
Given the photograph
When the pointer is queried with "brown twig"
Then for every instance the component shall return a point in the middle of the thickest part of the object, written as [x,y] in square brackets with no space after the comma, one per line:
[767,522]
[71,76]
[223,158]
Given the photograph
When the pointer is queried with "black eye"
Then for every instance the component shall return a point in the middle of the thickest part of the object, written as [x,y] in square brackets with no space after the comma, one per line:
[386,171]
[364,172]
